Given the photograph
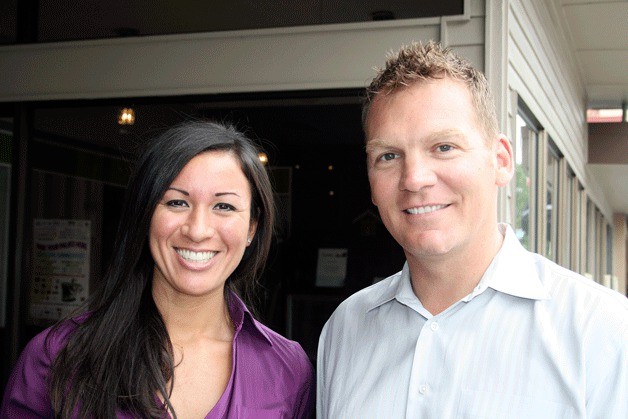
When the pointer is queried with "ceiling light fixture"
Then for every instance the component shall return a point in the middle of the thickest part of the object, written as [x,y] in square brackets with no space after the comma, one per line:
[126,116]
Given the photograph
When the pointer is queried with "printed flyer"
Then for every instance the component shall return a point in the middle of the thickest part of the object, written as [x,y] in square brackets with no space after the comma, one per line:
[61,256]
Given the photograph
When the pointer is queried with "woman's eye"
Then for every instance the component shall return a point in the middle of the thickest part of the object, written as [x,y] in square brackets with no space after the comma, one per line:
[224,207]
[177,203]
[387,156]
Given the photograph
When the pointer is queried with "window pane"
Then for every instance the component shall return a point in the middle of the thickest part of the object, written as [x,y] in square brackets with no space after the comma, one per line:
[552,204]
[566,234]
[524,195]
[591,238]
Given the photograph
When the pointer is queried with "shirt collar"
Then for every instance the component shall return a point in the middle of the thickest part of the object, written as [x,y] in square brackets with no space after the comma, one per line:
[243,319]
[513,270]
[399,287]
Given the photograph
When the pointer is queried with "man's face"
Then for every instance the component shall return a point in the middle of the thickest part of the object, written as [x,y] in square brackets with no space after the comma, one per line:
[433,173]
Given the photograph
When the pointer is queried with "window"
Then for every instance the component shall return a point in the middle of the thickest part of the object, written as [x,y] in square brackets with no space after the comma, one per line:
[591,241]
[575,221]
[525,178]
[552,202]
[567,178]
[596,116]
[554,214]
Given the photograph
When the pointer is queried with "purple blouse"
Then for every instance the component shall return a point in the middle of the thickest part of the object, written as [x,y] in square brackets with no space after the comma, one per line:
[271,376]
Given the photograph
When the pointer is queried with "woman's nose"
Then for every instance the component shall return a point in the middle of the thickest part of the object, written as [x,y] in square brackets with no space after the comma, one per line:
[198,225]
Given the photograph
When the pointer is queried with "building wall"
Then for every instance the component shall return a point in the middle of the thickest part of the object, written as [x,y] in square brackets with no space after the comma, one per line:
[544,74]
[516,42]
[279,59]
[620,252]
[538,68]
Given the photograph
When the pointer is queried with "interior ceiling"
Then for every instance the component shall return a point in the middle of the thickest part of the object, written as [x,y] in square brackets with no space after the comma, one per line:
[597,31]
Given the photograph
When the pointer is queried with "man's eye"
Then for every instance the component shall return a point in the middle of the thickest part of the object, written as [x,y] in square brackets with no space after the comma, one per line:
[177,203]
[387,156]
[445,147]
[224,207]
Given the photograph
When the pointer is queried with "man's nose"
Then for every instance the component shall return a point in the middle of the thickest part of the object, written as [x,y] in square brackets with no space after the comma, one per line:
[417,173]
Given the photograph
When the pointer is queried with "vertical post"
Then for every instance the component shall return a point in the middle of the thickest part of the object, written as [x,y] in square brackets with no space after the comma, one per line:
[18,212]
[27,23]
[496,71]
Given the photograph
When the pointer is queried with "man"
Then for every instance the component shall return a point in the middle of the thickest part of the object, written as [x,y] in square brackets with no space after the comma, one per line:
[474,325]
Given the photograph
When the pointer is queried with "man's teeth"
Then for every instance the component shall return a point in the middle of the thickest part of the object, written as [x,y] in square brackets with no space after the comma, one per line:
[195,256]
[425,209]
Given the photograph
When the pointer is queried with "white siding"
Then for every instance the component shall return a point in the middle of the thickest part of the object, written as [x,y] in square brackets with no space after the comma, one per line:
[545,76]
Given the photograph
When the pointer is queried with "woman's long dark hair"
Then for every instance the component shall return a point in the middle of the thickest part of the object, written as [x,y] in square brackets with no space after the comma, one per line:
[120,354]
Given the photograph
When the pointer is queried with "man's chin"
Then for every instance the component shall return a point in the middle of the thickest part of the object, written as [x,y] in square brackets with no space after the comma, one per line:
[433,247]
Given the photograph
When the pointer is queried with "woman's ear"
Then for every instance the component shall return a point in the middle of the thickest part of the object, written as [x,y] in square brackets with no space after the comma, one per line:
[251,234]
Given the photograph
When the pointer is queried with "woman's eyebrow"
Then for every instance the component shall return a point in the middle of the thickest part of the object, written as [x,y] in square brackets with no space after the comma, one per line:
[226,193]
[186,193]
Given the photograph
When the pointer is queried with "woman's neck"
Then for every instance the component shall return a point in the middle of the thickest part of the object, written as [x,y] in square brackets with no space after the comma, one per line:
[189,318]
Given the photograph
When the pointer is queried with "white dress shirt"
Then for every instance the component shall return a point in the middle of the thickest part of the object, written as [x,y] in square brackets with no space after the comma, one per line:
[533,340]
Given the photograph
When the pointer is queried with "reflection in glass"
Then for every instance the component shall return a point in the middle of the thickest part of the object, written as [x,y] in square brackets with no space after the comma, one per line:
[524,182]
[551,204]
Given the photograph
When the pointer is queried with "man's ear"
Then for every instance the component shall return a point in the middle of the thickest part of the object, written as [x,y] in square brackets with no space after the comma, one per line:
[505,163]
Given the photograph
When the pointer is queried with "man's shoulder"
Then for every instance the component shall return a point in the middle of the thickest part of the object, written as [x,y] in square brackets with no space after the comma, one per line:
[590,304]
[359,303]
[565,283]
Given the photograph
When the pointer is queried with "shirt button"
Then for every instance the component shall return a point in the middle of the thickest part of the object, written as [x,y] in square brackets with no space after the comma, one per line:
[434,326]
[423,389]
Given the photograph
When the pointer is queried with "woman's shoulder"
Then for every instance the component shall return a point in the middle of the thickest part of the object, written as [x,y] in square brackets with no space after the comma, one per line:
[279,341]
[51,340]
[262,338]
[26,393]
[289,352]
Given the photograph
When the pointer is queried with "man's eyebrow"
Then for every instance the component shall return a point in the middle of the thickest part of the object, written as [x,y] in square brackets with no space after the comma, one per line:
[376,143]
[445,133]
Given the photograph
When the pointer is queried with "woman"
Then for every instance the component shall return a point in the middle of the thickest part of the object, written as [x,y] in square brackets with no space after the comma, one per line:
[167,334]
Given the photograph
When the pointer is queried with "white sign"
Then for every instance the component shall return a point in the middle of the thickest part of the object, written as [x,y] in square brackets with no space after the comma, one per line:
[61,255]
[331,268]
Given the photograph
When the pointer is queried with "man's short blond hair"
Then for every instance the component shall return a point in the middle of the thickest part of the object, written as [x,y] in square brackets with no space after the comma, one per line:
[417,62]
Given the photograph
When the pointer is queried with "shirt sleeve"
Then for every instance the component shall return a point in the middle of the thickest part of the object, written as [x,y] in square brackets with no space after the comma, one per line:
[26,394]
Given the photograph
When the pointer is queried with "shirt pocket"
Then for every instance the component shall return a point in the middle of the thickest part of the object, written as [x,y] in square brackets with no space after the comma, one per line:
[484,405]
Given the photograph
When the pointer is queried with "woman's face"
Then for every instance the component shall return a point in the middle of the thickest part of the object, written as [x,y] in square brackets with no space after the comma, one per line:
[201,227]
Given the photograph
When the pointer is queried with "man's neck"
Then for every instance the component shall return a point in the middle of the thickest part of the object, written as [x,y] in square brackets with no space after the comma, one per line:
[439,282]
